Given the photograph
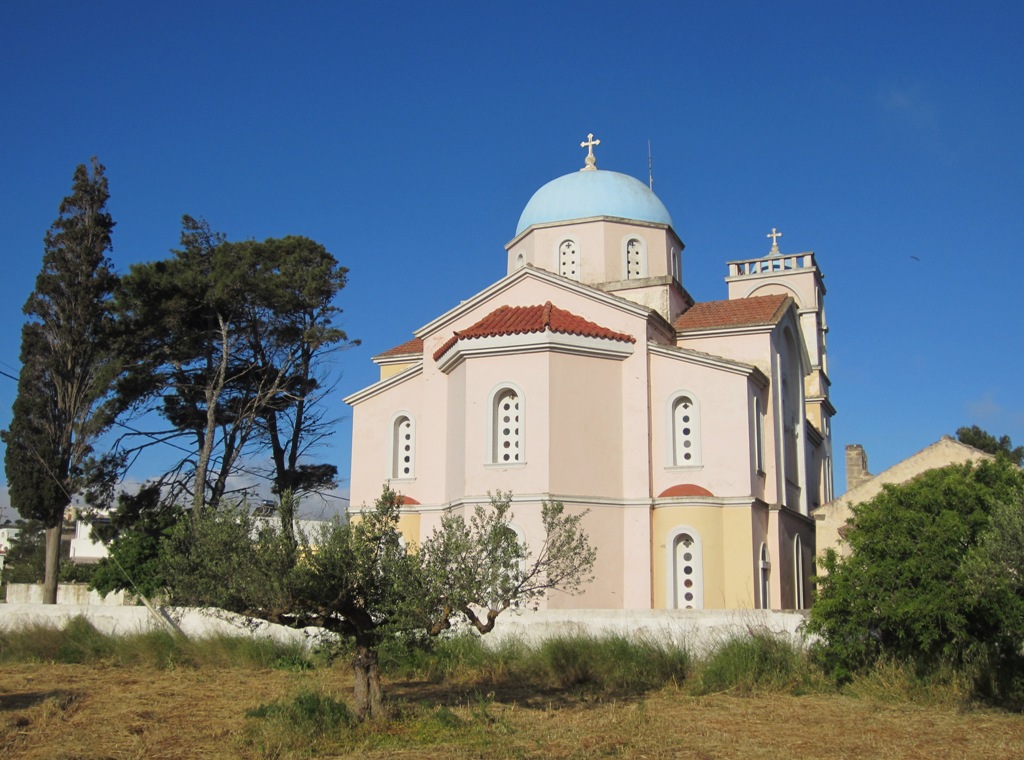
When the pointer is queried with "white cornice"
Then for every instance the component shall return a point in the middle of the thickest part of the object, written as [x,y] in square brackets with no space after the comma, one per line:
[581,501]
[710,360]
[526,343]
[725,332]
[383,385]
[384,361]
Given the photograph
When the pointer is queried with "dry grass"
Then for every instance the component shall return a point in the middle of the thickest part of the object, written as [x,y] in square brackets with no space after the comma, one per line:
[96,711]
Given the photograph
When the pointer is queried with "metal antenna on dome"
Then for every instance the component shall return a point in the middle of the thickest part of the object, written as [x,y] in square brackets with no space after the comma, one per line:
[650,166]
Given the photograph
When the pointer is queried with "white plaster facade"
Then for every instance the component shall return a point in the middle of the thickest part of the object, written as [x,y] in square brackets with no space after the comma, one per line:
[696,436]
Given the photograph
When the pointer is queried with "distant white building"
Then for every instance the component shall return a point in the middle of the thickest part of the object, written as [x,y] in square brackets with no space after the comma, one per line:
[84,549]
[7,534]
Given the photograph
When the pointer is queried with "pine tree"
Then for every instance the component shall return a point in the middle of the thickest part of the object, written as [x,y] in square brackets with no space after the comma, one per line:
[68,367]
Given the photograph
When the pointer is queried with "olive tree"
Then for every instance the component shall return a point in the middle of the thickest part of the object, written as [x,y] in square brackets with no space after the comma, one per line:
[359,580]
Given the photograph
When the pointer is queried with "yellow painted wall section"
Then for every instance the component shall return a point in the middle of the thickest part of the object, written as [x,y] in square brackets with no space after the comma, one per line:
[707,522]
[725,535]
[409,527]
[738,538]
[390,370]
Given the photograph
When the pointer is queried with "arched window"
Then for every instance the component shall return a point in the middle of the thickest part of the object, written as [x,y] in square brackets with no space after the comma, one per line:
[403,447]
[507,427]
[568,260]
[520,260]
[798,572]
[685,430]
[685,564]
[636,259]
[765,566]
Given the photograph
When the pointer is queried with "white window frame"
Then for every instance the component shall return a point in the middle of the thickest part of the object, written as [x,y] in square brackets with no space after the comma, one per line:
[494,430]
[579,258]
[393,469]
[672,571]
[643,265]
[674,440]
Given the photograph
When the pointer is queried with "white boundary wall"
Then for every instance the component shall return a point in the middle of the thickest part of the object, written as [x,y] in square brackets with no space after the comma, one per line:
[696,630]
[67,593]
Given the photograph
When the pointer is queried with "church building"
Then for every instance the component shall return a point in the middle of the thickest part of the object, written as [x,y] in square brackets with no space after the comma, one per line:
[696,435]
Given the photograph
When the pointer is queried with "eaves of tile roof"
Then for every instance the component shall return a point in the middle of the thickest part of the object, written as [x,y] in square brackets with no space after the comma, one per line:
[741,312]
[520,320]
[409,348]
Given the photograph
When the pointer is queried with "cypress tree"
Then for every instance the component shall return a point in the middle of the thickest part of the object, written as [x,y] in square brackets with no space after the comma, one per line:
[68,364]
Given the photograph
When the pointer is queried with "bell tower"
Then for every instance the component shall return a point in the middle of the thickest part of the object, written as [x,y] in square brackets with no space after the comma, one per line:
[797,275]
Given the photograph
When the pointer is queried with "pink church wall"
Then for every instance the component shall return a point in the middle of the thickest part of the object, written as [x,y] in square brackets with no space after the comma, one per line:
[722,397]
[586,432]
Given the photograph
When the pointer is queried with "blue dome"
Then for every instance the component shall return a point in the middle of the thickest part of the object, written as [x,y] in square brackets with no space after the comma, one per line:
[593,193]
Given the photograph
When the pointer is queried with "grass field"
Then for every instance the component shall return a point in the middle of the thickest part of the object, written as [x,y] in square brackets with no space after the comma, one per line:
[152,700]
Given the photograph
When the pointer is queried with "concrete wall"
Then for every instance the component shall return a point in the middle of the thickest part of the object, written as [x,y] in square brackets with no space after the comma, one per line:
[123,621]
[698,630]
[67,593]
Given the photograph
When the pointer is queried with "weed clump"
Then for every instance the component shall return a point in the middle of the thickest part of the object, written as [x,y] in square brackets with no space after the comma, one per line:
[611,663]
[79,642]
[757,663]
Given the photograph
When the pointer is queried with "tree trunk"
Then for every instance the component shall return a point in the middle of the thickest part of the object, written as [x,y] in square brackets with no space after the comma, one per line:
[52,563]
[367,693]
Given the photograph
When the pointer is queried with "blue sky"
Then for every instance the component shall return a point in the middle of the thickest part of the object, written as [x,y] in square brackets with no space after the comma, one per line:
[408,137]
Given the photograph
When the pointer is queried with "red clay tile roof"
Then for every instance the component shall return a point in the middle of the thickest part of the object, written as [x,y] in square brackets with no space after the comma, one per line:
[520,320]
[756,310]
[685,489]
[414,346]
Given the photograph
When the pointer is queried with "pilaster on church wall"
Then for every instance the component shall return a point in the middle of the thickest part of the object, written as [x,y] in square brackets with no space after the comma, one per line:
[456,423]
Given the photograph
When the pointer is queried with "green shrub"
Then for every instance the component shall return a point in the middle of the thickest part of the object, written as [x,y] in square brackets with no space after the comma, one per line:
[613,663]
[926,581]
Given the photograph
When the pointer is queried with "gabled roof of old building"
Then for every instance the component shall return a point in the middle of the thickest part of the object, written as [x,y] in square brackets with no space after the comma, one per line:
[740,312]
[520,320]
